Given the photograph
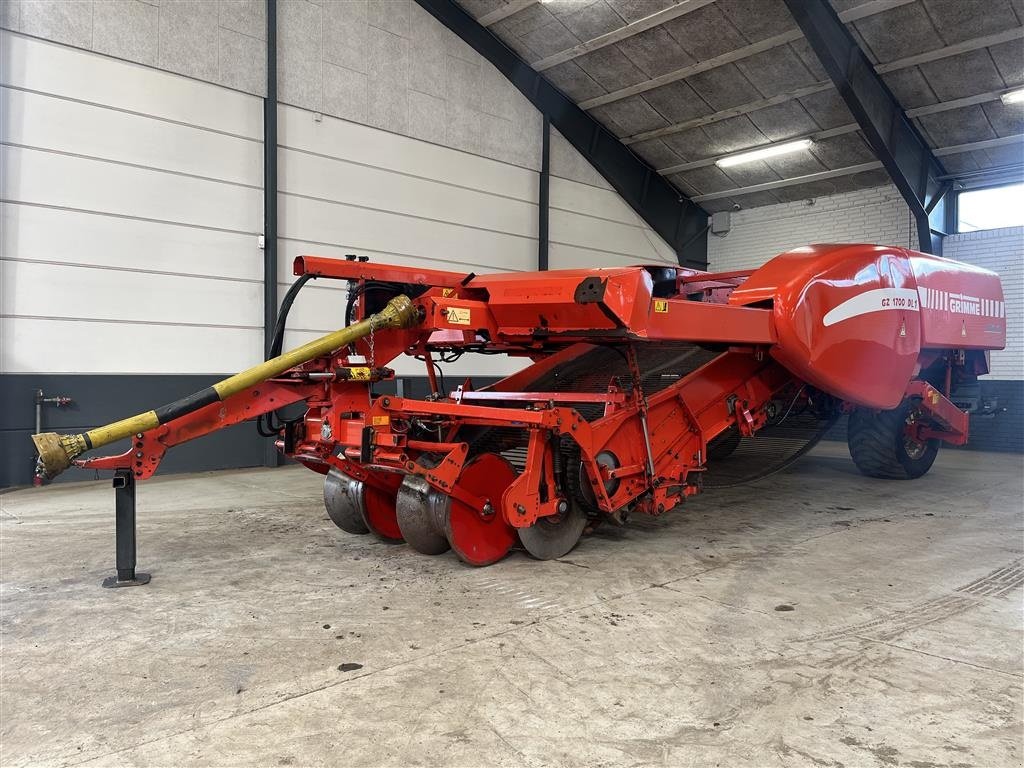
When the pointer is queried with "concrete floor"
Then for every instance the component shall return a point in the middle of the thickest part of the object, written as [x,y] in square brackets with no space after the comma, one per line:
[816,618]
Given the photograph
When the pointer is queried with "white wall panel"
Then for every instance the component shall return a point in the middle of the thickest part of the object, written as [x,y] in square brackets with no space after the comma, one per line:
[41,121]
[332,137]
[29,345]
[305,219]
[288,249]
[564,256]
[47,290]
[590,224]
[32,233]
[45,178]
[46,67]
[583,198]
[318,308]
[384,190]
[601,235]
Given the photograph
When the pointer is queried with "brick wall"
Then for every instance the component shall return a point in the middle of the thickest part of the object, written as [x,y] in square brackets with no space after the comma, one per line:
[1002,251]
[876,215]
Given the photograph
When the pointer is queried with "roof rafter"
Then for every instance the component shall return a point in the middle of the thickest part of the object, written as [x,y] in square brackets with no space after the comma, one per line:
[931,109]
[852,169]
[620,34]
[1016,33]
[510,8]
[859,12]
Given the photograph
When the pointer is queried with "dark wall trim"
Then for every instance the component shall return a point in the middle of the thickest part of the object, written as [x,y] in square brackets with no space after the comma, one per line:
[270,183]
[103,398]
[100,399]
[895,141]
[666,210]
[544,196]
[271,458]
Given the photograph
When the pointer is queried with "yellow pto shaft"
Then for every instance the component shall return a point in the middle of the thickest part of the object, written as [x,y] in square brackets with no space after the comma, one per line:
[56,452]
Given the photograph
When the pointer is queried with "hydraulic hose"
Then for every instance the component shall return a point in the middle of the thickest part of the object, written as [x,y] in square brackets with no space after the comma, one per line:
[56,452]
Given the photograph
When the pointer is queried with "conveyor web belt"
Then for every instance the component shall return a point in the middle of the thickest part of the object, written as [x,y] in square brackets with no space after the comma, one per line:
[661,365]
[769,451]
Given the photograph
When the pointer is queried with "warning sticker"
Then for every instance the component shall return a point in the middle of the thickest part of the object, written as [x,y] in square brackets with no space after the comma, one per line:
[660,305]
[381,421]
[447,292]
[459,315]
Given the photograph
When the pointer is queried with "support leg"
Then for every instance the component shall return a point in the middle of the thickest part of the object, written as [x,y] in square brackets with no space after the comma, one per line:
[124,504]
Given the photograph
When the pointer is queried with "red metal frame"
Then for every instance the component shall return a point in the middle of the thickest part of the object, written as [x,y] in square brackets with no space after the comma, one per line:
[775,329]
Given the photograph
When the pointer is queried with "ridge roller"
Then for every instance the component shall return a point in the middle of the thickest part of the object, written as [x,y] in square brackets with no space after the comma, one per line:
[421,509]
[433,522]
[360,507]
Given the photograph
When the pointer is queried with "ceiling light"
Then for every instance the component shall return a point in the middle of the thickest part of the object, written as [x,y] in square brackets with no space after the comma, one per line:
[1013,97]
[765,152]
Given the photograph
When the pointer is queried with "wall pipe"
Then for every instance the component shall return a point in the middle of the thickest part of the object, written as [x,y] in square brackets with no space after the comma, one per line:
[543,199]
[271,456]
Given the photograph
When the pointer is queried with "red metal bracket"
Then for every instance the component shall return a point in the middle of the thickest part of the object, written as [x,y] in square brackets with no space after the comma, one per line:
[953,423]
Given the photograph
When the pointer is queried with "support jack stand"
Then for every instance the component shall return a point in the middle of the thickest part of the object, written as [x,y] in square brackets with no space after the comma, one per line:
[124,505]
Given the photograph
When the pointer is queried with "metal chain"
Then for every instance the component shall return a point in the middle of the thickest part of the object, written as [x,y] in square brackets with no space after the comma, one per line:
[371,347]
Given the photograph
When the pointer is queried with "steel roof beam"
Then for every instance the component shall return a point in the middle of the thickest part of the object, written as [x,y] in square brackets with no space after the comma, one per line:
[680,222]
[897,144]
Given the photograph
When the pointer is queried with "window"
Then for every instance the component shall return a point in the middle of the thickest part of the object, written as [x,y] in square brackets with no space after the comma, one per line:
[990,208]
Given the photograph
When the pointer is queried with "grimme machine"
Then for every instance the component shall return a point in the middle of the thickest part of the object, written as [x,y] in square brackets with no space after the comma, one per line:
[641,386]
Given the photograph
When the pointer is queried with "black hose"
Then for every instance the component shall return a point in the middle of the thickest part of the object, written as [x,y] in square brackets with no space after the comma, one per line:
[276,346]
[282,317]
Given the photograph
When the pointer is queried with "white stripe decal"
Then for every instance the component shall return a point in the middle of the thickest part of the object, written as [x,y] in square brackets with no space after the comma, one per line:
[878,300]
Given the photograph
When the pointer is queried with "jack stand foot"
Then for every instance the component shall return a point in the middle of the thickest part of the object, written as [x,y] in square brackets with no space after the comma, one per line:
[124,532]
[133,580]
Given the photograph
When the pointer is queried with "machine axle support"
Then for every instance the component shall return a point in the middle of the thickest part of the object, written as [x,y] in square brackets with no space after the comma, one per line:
[124,525]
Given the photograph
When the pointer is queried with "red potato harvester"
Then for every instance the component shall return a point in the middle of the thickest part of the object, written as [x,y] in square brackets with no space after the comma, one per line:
[644,384]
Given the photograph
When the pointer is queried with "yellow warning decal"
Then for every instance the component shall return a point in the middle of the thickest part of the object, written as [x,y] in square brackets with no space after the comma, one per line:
[660,305]
[360,373]
[459,315]
[447,292]
[381,421]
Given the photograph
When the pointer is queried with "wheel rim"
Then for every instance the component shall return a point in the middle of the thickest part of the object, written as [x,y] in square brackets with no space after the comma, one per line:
[914,449]
[477,538]
[343,500]
[420,511]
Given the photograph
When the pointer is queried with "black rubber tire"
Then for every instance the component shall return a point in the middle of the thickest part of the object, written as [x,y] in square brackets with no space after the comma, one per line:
[878,448]
[722,445]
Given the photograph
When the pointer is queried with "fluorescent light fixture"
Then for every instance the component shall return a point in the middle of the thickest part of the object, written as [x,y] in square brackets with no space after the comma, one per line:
[1013,97]
[765,152]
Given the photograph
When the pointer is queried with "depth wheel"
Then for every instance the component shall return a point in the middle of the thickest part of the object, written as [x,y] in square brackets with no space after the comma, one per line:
[555,535]
[480,538]
[881,446]
[343,499]
[420,509]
